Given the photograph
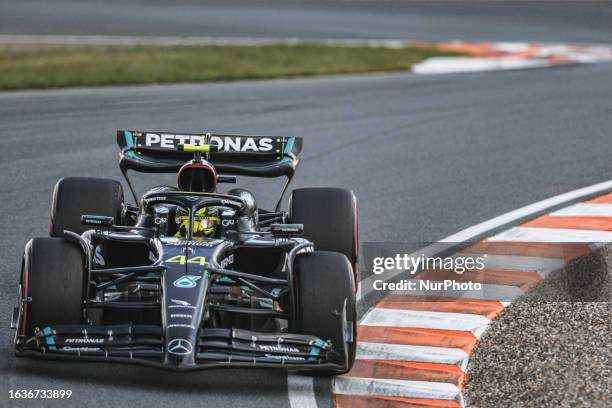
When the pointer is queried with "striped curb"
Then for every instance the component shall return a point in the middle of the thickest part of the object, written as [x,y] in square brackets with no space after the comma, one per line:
[489,56]
[413,349]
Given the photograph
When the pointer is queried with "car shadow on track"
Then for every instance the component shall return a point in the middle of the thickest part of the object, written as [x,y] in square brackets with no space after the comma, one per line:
[236,381]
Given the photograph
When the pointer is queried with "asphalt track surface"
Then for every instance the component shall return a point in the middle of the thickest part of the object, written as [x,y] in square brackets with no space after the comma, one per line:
[427,156]
[395,19]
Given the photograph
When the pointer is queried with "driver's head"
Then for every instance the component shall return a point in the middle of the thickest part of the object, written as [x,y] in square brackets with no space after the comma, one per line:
[205,223]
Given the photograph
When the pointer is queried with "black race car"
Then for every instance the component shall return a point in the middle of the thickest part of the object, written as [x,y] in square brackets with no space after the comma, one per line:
[189,278]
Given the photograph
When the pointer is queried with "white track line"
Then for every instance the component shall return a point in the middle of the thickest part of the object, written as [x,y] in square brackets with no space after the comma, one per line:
[500,293]
[527,211]
[418,354]
[399,388]
[424,319]
[585,210]
[560,235]
[447,65]
[543,266]
[301,391]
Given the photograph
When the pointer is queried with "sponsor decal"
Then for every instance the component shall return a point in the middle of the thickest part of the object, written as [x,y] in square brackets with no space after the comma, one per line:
[98,257]
[284,357]
[203,244]
[183,326]
[278,348]
[227,223]
[289,229]
[180,302]
[180,347]
[305,249]
[68,348]
[82,340]
[152,199]
[225,143]
[187,281]
[227,261]
[94,221]
[160,220]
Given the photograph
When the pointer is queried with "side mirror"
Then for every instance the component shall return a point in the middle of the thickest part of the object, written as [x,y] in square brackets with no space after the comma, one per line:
[99,221]
[226,179]
[286,230]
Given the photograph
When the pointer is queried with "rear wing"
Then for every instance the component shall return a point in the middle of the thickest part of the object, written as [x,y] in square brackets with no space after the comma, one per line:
[258,156]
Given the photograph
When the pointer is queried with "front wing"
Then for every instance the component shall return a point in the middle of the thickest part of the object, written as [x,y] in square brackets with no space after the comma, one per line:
[216,348]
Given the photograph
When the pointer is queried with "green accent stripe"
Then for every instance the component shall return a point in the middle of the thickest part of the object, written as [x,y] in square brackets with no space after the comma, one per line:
[289,145]
[316,349]
[129,139]
[49,338]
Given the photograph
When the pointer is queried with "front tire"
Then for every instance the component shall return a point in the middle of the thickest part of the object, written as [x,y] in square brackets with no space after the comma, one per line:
[323,281]
[76,196]
[53,277]
[330,219]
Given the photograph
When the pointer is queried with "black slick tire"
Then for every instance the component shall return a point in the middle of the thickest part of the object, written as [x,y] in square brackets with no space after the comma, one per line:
[76,196]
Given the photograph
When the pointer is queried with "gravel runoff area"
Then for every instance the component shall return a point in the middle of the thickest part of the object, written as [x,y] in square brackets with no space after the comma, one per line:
[553,347]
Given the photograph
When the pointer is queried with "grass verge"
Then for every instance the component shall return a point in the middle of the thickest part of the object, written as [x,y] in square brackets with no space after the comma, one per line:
[58,67]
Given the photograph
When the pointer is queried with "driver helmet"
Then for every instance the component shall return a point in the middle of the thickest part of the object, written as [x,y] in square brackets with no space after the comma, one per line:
[205,223]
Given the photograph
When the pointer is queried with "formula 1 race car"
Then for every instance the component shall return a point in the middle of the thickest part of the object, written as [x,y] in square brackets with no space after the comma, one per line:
[189,278]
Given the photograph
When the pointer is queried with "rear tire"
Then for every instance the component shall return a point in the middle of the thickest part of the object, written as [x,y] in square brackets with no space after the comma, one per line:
[76,196]
[53,276]
[323,280]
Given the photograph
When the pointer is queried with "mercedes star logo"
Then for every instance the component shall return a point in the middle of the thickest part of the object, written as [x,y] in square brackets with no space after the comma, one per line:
[179,347]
